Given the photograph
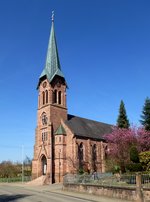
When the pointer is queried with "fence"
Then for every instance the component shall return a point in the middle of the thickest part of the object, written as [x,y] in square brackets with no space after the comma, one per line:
[15,179]
[107,179]
[134,187]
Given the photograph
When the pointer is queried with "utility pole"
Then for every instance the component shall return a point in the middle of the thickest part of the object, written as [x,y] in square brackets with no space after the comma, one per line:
[22,164]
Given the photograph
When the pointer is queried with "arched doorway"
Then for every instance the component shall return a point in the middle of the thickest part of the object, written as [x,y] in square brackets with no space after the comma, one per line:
[44,165]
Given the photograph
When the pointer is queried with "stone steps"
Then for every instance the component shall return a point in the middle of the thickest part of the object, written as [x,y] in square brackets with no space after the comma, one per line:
[38,181]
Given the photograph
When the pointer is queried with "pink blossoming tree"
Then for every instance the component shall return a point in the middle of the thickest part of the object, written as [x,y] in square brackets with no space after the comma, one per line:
[119,143]
[143,137]
[121,140]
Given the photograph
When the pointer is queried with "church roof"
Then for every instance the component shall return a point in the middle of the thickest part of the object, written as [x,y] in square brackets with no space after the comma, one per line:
[52,65]
[60,131]
[85,128]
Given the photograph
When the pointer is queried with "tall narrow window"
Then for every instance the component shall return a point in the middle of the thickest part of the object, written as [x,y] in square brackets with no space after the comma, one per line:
[46,93]
[43,95]
[80,155]
[44,136]
[94,157]
[55,96]
[59,97]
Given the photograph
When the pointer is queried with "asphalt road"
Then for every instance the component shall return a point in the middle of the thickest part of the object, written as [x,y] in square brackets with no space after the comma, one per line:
[25,193]
[20,194]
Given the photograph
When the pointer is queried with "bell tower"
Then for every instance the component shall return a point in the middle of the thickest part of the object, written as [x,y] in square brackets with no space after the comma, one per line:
[51,110]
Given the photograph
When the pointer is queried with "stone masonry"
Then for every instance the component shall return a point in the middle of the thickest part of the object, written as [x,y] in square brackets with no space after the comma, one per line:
[63,143]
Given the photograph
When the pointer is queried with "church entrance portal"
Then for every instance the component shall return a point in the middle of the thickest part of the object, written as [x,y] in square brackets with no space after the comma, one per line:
[44,165]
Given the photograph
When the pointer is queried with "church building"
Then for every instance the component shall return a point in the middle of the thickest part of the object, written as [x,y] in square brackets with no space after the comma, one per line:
[64,143]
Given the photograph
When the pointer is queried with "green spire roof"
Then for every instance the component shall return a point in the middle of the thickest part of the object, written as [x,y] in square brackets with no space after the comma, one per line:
[60,131]
[52,65]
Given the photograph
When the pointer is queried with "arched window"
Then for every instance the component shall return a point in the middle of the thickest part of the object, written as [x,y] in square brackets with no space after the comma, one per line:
[46,94]
[43,97]
[55,96]
[59,97]
[80,151]
[44,118]
[94,157]
[80,155]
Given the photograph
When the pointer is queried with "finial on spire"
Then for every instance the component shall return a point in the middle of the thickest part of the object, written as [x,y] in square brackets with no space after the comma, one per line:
[52,16]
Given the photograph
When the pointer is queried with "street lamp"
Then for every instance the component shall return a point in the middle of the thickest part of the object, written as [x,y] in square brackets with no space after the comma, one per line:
[22,164]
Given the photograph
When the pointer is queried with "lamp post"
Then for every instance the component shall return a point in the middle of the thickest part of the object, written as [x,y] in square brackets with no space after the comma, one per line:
[22,164]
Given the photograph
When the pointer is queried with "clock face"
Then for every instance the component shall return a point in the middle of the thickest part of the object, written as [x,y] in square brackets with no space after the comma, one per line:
[44,119]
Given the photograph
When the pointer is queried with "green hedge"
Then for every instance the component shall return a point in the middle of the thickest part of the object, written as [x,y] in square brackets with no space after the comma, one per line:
[15,179]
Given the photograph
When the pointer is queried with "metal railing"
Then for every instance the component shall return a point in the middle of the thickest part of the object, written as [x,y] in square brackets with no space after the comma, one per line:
[145,180]
[15,179]
[107,179]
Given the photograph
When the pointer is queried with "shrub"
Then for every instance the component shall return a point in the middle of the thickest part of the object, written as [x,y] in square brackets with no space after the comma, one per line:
[145,160]
[134,167]
[134,155]
[116,169]
[81,171]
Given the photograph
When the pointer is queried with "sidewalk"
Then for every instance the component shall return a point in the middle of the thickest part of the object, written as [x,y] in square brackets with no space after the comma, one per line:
[57,188]
[90,197]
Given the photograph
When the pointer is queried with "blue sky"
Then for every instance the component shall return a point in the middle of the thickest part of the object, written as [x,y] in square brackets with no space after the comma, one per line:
[104,50]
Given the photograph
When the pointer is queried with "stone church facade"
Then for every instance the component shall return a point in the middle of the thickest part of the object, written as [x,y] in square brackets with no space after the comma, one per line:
[63,143]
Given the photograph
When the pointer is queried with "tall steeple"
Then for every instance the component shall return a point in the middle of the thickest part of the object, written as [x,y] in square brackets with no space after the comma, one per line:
[52,65]
[51,112]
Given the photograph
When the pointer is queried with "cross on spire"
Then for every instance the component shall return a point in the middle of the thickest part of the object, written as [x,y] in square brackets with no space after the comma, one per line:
[52,16]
